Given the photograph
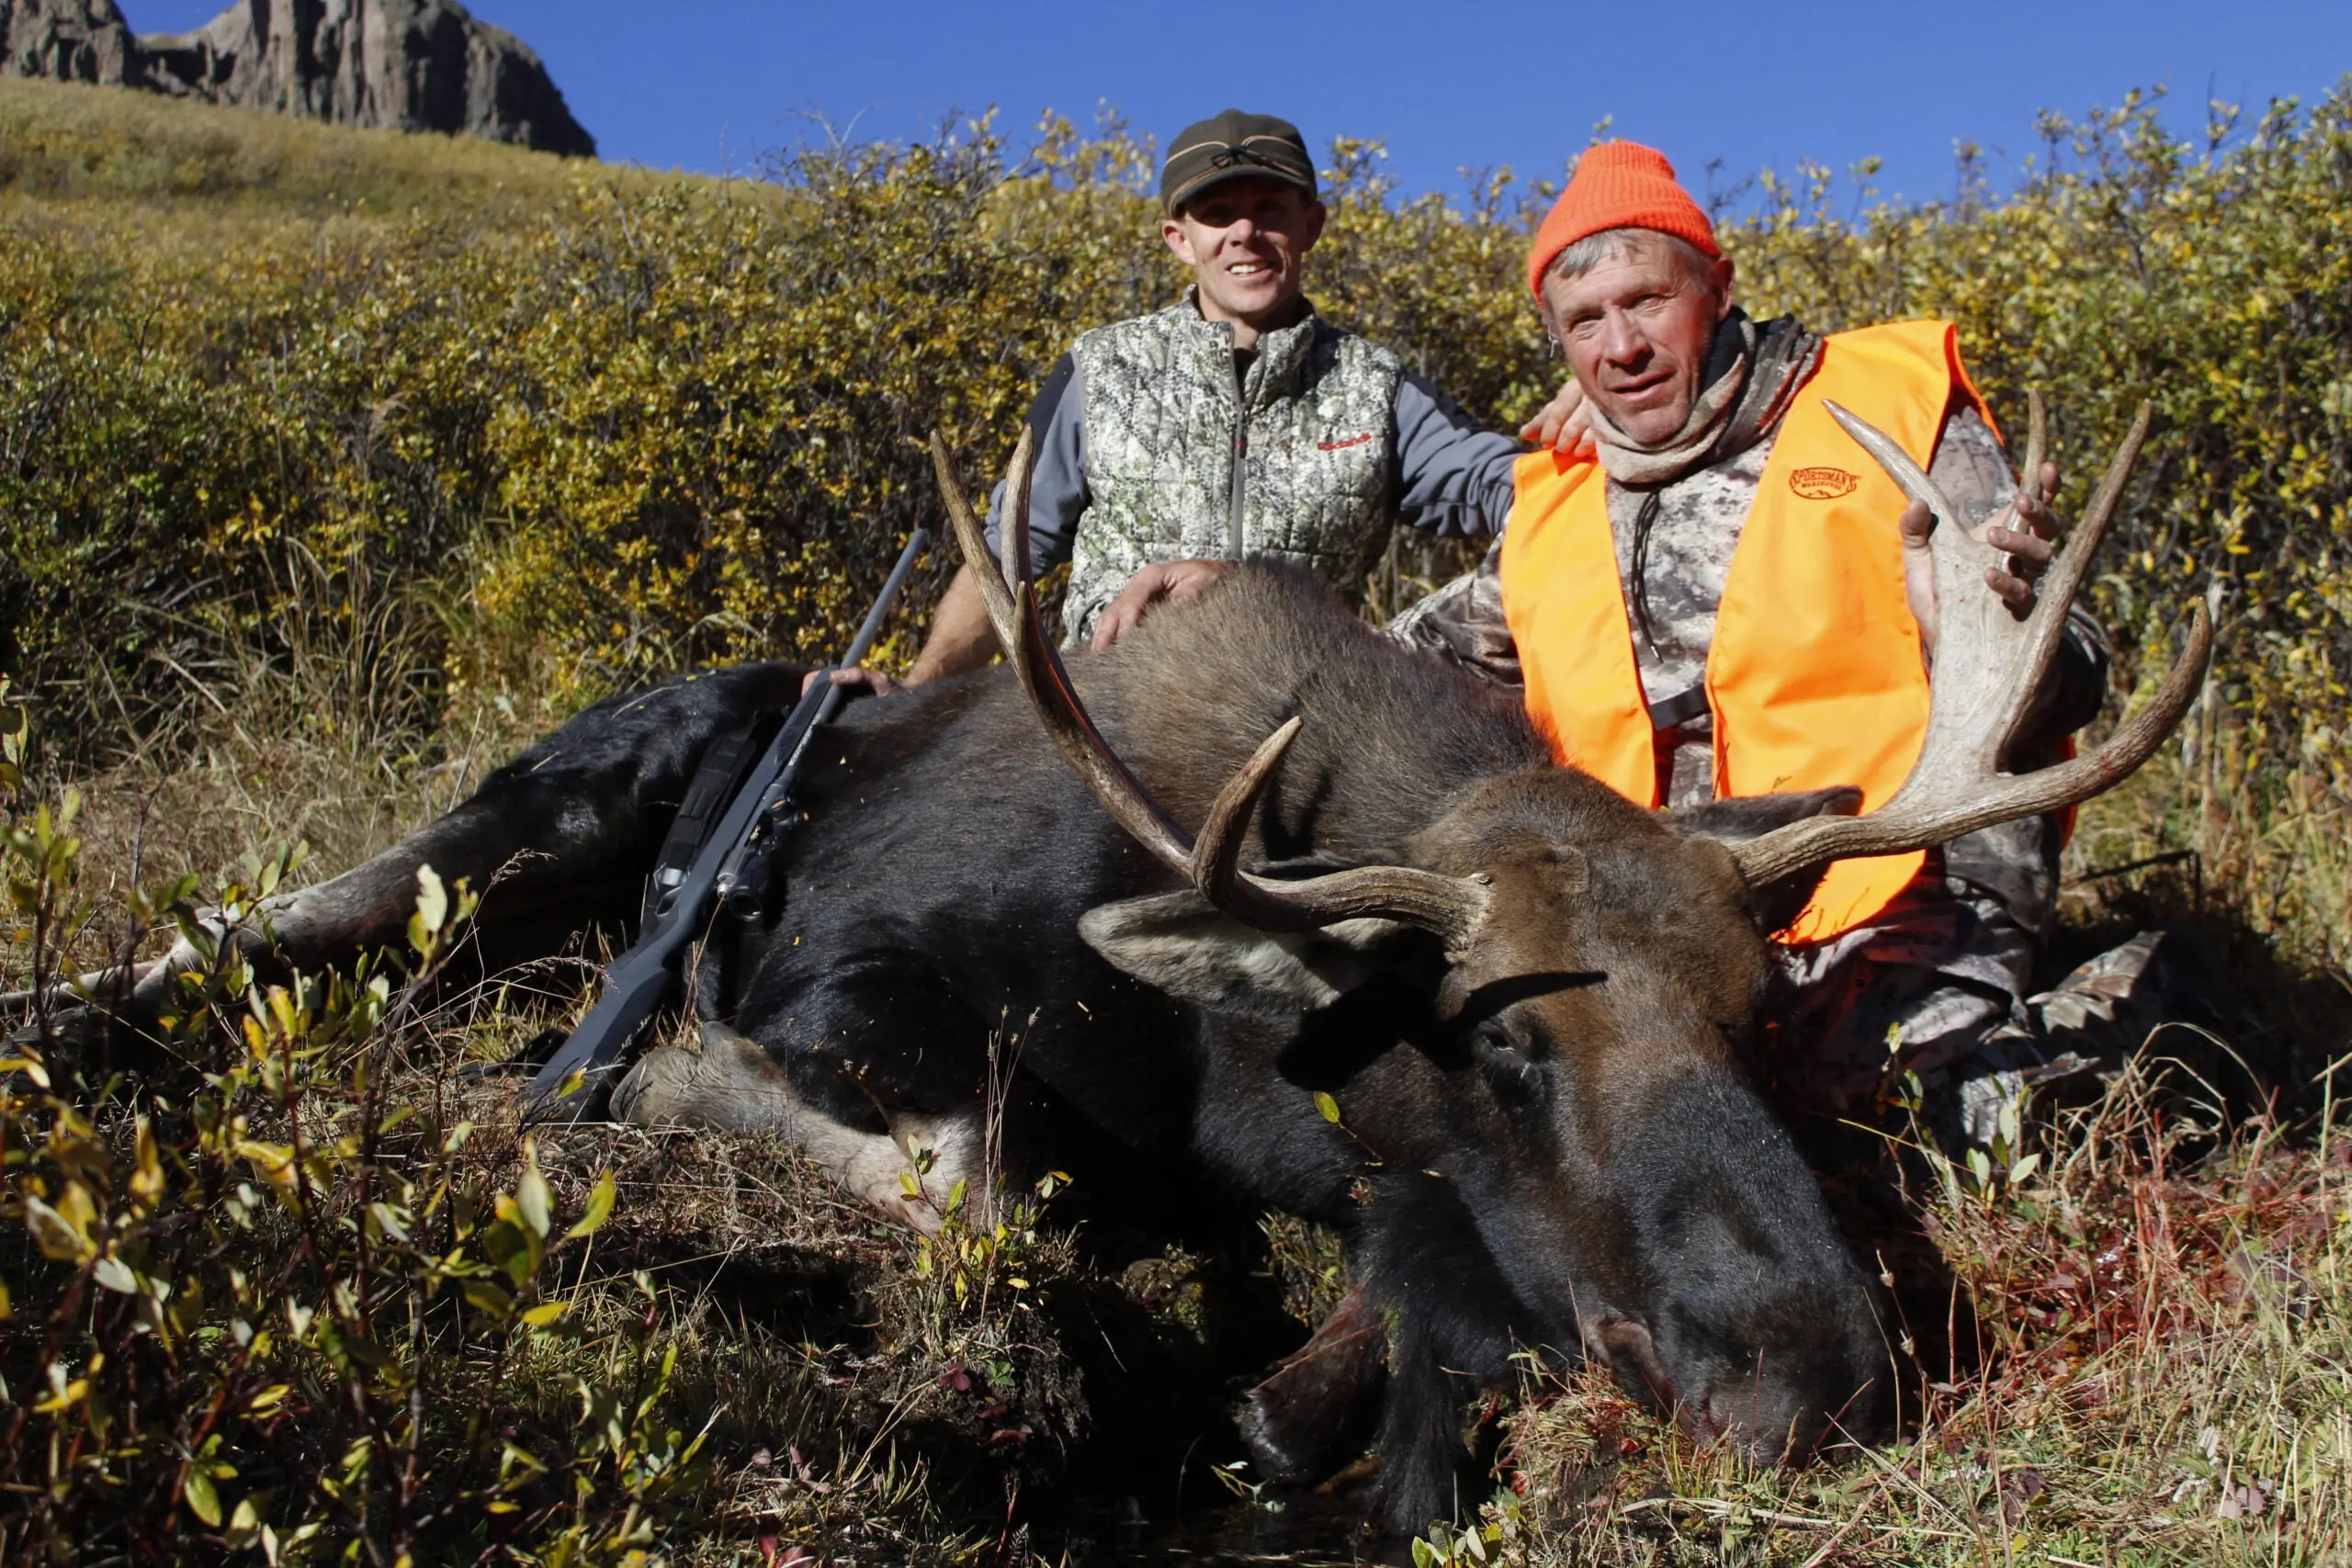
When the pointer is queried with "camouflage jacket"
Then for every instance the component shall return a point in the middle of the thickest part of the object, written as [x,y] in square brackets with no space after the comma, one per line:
[1157,441]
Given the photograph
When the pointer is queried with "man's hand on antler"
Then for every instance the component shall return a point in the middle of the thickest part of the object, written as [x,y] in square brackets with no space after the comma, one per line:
[2024,529]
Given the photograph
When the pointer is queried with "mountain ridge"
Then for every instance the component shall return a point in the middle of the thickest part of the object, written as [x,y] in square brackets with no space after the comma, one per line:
[394,64]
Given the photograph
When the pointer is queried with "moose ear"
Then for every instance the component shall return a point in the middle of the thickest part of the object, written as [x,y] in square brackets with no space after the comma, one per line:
[1196,952]
[1751,817]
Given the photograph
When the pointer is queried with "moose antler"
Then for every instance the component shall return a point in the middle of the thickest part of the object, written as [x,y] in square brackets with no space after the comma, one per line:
[1451,907]
[1988,665]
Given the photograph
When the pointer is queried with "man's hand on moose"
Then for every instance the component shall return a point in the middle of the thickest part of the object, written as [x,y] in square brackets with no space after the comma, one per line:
[872,681]
[1562,425]
[1174,580]
[2028,551]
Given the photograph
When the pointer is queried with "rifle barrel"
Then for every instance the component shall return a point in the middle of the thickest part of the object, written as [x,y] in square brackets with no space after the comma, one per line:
[871,627]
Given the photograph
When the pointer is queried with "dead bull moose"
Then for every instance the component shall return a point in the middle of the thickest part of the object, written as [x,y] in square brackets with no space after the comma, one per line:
[1527,995]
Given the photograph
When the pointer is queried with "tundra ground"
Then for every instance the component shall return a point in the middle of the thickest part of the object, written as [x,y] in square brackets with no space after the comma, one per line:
[2150,1312]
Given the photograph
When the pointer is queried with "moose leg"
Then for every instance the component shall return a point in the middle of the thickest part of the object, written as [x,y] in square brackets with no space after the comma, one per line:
[1311,1413]
[1447,1307]
[877,1073]
[733,1085]
[561,836]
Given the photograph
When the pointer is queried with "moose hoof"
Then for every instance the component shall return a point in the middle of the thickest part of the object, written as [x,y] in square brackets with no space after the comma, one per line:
[1309,1417]
[729,1085]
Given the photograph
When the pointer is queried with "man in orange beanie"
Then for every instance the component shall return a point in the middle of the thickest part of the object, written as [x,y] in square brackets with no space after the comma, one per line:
[1704,542]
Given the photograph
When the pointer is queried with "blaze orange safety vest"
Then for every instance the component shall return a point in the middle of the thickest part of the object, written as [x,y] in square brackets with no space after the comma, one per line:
[1814,676]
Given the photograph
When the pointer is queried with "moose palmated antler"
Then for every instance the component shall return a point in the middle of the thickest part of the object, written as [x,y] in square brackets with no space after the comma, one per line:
[1451,907]
[1988,665]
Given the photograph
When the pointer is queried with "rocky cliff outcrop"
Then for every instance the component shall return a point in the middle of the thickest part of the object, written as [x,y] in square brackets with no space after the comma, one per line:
[67,40]
[403,64]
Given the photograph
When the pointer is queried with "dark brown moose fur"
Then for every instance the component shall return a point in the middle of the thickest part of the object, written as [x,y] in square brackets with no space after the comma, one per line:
[1546,1139]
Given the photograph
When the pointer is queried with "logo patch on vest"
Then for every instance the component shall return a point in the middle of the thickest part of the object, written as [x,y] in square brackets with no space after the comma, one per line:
[1823,484]
[1343,443]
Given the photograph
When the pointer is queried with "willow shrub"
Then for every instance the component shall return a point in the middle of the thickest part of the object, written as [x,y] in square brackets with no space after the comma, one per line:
[249,1300]
[635,422]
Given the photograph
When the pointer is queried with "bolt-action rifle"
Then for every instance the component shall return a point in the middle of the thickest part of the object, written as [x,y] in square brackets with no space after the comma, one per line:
[701,863]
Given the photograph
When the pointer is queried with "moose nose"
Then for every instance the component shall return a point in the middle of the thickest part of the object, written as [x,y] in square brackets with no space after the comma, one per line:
[1699,1421]
[1747,1411]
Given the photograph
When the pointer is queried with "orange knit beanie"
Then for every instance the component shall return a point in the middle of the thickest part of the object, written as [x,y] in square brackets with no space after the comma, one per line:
[1618,184]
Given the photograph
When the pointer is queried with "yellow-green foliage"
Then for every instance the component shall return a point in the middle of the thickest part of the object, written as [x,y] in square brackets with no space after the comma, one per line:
[67,140]
[642,421]
[243,1294]
[600,422]
[294,1291]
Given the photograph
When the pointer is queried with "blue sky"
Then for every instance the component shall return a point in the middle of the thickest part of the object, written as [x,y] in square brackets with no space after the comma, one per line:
[701,84]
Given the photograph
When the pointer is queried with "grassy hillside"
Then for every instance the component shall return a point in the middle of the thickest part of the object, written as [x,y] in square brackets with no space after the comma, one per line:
[66,139]
[339,464]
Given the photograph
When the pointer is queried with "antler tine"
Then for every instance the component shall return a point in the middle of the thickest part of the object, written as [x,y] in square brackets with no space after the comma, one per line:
[1452,907]
[1047,683]
[1987,667]
[1012,533]
[1449,906]
[1217,854]
[1912,479]
[1893,831]
[973,538]
[2037,445]
[2047,625]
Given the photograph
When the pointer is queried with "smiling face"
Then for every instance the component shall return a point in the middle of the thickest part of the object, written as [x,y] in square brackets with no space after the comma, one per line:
[1245,239]
[1637,327]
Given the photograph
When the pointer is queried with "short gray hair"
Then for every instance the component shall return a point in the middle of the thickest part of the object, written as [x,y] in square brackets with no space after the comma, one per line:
[1581,257]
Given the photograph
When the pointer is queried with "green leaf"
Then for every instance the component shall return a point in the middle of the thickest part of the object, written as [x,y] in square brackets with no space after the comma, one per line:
[59,1239]
[202,1500]
[488,1295]
[599,1209]
[1328,1106]
[514,1250]
[532,1199]
[432,898]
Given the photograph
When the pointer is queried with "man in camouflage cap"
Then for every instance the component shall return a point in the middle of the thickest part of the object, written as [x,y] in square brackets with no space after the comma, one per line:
[1235,423]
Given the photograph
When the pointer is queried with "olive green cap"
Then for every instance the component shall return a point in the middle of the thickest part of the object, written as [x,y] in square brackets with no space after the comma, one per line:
[1232,146]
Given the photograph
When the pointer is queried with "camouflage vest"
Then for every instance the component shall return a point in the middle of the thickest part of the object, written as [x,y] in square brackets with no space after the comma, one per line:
[1296,462]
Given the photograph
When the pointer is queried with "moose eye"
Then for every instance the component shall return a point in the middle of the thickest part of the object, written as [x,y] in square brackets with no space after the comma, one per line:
[1505,1062]
[1491,1038]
